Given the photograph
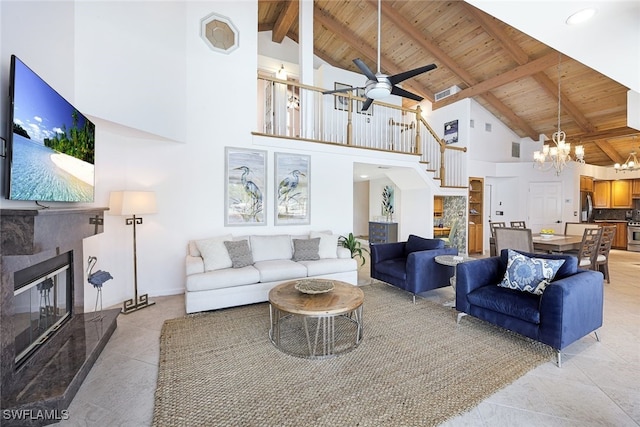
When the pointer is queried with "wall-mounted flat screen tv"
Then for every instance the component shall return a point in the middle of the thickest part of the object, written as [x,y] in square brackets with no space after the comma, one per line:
[51,144]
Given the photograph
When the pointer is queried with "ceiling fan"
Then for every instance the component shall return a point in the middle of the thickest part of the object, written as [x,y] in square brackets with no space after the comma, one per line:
[380,85]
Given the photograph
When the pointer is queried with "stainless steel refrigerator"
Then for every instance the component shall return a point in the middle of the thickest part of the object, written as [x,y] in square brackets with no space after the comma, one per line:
[586,206]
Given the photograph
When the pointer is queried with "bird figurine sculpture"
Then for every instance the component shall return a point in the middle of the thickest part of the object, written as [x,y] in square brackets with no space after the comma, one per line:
[97,279]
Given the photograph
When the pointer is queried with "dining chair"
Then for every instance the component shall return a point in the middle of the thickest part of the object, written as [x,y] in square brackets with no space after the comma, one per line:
[518,239]
[518,224]
[602,260]
[577,228]
[496,224]
[588,252]
[492,238]
[450,241]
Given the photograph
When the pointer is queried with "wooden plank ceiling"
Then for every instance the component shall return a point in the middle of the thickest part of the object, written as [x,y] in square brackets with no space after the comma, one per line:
[509,73]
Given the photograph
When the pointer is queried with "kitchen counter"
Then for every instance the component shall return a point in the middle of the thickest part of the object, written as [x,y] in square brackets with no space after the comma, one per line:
[611,220]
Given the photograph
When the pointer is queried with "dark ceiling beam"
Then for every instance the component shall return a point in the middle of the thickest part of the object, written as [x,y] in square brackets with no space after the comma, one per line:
[285,20]
[491,26]
[423,41]
[364,48]
[509,76]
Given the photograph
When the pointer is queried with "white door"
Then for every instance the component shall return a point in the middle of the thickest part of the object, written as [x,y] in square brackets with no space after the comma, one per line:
[545,206]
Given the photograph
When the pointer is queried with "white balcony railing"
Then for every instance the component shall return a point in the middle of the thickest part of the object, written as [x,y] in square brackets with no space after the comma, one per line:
[289,109]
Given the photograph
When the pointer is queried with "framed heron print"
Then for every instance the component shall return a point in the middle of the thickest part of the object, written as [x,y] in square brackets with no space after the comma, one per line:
[245,177]
[292,182]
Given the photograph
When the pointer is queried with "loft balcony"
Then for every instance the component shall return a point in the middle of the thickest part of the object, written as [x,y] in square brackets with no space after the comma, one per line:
[288,109]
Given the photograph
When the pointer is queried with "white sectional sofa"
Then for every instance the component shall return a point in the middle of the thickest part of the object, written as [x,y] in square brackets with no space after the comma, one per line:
[243,270]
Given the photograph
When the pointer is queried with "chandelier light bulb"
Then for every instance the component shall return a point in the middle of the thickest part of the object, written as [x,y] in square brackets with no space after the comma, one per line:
[631,164]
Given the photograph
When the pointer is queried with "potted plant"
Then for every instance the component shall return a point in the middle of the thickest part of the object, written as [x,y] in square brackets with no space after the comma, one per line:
[354,245]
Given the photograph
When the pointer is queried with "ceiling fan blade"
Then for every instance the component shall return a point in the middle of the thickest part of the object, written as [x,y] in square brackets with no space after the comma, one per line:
[367,104]
[365,70]
[405,94]
[346,89]
[397,78]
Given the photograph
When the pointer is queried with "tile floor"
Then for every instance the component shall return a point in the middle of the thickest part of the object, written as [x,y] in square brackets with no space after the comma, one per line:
[598,385]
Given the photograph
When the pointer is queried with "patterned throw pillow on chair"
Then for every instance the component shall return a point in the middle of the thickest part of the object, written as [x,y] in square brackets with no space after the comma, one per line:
[529,274]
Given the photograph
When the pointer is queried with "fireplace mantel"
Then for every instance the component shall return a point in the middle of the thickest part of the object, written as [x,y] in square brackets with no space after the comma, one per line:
[29,231]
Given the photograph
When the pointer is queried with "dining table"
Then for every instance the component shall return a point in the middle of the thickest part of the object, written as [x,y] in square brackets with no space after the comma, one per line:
[556,243]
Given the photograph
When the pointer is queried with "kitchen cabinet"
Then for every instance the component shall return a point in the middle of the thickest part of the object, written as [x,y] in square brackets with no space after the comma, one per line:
[476,215]
[621,194]
[586,183]
[613,194]
[438,206]
[620,239]
[601,194]
[635,189]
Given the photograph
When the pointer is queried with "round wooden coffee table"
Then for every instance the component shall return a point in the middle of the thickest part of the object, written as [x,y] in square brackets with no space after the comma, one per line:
[316,326]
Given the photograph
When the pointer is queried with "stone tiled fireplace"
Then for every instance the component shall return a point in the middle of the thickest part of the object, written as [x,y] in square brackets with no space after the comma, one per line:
[48,344]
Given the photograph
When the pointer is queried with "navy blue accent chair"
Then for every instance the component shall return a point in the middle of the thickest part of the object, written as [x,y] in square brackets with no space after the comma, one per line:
[411,265]
[570,307]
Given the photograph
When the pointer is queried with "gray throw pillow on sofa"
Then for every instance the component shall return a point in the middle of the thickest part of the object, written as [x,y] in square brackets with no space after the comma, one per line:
[306,249]
[239,253]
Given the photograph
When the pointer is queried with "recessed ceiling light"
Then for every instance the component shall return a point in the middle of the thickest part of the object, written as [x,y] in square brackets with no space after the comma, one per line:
[364,176]
[581,16]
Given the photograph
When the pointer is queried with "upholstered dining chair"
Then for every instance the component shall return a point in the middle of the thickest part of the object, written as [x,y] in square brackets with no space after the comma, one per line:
[577,228]
[518,224]
[588,252]
[518,239]
[606,240]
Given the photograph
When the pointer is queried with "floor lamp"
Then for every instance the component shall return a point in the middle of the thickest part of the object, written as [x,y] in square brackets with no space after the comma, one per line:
[132,204]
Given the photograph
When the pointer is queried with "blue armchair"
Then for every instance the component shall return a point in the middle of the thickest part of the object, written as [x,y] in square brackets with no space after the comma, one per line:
[411,265]
[570,307]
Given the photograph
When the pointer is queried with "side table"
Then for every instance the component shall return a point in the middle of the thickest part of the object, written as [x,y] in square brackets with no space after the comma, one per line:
[452,261]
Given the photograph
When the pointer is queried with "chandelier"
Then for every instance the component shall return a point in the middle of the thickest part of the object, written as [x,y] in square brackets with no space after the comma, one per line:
[558,156]
[630,165]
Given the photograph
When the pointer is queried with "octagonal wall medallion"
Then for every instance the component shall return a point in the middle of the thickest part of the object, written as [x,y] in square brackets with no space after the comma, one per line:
[219,33]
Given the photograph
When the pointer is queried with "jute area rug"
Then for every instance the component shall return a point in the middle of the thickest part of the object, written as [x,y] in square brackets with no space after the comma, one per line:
[414,367]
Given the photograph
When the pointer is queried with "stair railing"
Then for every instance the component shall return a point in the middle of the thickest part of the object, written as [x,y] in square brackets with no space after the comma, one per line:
[339,119]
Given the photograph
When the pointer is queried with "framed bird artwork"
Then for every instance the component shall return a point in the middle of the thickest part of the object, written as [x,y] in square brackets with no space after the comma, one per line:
[292,185]
[245,177]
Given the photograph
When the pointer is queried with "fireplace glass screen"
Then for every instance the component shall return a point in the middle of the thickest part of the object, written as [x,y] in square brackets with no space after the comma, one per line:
[41,306]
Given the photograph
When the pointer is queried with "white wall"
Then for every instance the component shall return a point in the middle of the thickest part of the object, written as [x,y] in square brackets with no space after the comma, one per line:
[130,64]
[361,208]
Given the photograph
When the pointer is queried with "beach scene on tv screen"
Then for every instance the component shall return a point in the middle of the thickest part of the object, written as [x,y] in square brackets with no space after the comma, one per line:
[53,144]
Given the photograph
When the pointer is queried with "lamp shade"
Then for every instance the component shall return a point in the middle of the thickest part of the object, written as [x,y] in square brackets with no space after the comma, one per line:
[132,202]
